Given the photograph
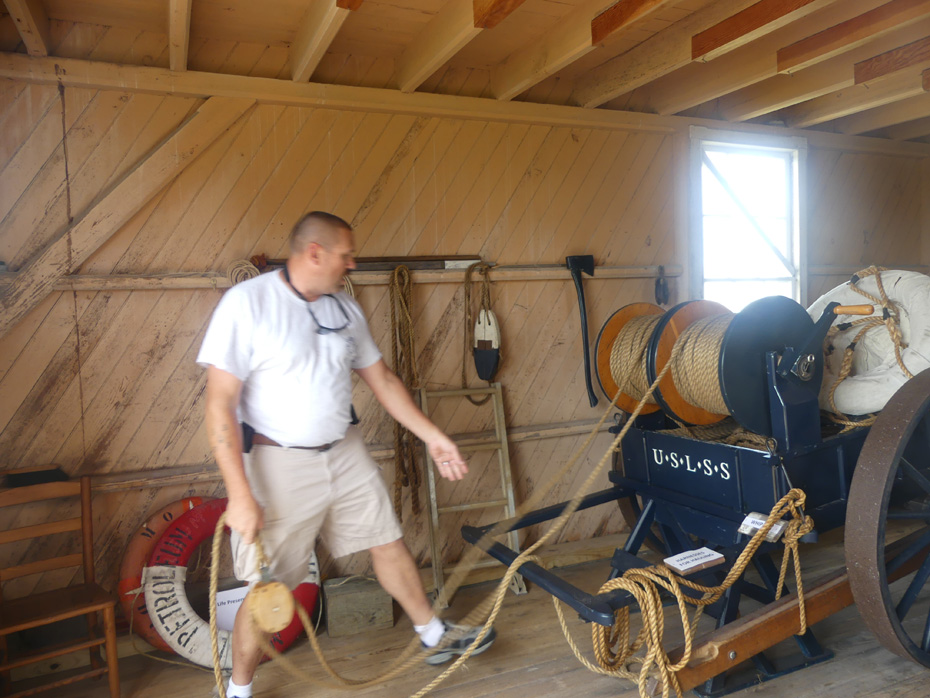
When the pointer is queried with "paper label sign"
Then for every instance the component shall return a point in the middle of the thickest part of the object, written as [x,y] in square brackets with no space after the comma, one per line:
[755,521]
[693,560]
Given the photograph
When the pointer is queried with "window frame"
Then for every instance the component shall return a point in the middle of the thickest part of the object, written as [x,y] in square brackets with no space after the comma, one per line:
[795,147]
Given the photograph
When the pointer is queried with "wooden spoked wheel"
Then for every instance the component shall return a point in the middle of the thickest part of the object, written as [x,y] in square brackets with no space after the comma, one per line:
[888,500]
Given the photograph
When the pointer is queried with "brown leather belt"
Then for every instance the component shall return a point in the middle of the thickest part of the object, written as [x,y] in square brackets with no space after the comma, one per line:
[263,440]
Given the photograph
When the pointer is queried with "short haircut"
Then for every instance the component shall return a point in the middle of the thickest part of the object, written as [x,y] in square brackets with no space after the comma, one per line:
[316,226]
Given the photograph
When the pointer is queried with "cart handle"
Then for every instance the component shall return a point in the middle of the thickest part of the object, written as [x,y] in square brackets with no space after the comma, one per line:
[854,310]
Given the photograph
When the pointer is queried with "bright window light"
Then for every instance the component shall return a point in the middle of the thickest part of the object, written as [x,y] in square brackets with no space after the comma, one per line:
[748,218]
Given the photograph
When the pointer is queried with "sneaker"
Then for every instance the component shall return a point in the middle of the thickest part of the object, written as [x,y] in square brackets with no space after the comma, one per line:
[456,641]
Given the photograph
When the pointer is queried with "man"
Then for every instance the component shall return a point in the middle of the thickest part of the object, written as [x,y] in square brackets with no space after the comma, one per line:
[279,353]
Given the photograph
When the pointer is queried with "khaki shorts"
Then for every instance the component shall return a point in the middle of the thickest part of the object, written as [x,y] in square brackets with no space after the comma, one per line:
[338,495]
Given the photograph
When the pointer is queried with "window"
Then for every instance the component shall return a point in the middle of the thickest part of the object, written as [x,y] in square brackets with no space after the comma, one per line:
[746,228]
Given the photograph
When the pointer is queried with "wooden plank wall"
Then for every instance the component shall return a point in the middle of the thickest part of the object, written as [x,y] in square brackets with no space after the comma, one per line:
[104,382]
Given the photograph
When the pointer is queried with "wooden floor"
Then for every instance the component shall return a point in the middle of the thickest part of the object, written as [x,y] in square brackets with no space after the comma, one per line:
[531,657]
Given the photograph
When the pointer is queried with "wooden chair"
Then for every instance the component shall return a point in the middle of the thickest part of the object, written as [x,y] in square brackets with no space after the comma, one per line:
[86,599]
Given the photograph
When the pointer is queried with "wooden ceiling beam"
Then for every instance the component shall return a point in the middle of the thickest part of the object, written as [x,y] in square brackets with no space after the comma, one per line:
[33,25]
[905,132]
[850,34]
[883,117]
[892,61]
[761,18]
[179,33]
[787,89]
[659,55]
[444,36]
[835,105]
[315,33]
[621,15]
[489,13]
[110,211]
[557,48]
[701,82]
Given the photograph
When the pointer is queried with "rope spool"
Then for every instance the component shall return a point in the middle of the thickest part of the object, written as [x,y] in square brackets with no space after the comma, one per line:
[718,359]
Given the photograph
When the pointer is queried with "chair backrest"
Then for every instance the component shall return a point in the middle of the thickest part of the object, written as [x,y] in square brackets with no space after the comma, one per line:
[47,492]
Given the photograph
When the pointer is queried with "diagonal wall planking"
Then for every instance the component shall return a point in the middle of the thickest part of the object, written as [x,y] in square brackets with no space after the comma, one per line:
[105,381]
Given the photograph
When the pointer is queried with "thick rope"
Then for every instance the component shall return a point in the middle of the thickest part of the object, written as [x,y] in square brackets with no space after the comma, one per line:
[469,333]
[616,651]
[628,357]
[890,319]
[696,372]
[403,358]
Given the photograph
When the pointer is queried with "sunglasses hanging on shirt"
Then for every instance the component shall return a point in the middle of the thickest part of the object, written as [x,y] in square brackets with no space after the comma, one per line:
[321,328]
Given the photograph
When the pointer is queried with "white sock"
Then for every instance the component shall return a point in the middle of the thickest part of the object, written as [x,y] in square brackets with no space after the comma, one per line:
[431,633]
[233,690]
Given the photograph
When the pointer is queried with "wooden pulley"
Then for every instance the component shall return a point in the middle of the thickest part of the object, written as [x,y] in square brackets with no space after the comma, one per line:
[271,605]
[604,349]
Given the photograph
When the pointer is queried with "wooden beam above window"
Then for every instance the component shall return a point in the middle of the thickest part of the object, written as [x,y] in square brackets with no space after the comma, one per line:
[489,13]
[621,14]
[32,23]
[656,56]
[850,34]
[889,115]
[759,19]
[179,33]
[891,61]
[854,99]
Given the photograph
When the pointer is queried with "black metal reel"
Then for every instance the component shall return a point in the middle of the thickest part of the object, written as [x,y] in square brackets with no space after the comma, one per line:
[890,497]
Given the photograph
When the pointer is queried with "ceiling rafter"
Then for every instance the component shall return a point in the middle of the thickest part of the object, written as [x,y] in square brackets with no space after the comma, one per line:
[905,132]
[561,46]
[621,14]
[179,33]
[835,105]
[891,61]
[892,114]
[787,89]
[701,82]
[657,56]
[316,32]
[757,20]
[850,34]
[33,25]
[446,34]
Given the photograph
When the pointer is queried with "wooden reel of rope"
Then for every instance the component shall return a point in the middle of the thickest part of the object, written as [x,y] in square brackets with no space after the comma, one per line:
[719,359]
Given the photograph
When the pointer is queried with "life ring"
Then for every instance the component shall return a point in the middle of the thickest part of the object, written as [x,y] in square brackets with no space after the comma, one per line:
[138,551]
[875,374]
[168,607]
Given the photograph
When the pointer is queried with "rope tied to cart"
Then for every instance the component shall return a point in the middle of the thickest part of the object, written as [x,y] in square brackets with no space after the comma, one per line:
[616,651]
[890,319]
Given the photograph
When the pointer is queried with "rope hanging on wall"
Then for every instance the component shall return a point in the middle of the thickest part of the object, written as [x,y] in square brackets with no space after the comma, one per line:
[403,359]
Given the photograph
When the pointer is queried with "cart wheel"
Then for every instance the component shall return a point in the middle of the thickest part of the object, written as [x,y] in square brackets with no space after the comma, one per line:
[890,498]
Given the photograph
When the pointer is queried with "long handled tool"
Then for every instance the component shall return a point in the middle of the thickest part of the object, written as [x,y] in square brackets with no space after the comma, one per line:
[576,265]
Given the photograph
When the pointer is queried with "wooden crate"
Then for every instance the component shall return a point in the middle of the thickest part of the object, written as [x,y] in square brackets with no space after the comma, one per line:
[356,604]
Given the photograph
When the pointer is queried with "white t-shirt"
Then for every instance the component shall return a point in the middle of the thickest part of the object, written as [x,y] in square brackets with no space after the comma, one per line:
[297,383]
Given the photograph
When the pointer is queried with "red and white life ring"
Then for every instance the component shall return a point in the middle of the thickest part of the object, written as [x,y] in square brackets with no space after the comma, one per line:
[168,607]
[875,374]
[137,554]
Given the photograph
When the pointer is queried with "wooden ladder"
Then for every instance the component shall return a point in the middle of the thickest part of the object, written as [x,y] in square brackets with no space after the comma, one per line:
[517,585]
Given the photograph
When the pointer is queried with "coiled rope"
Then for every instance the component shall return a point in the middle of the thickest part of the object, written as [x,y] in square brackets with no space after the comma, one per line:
[628,357]
[403,359]
[241,270]
[890,319]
